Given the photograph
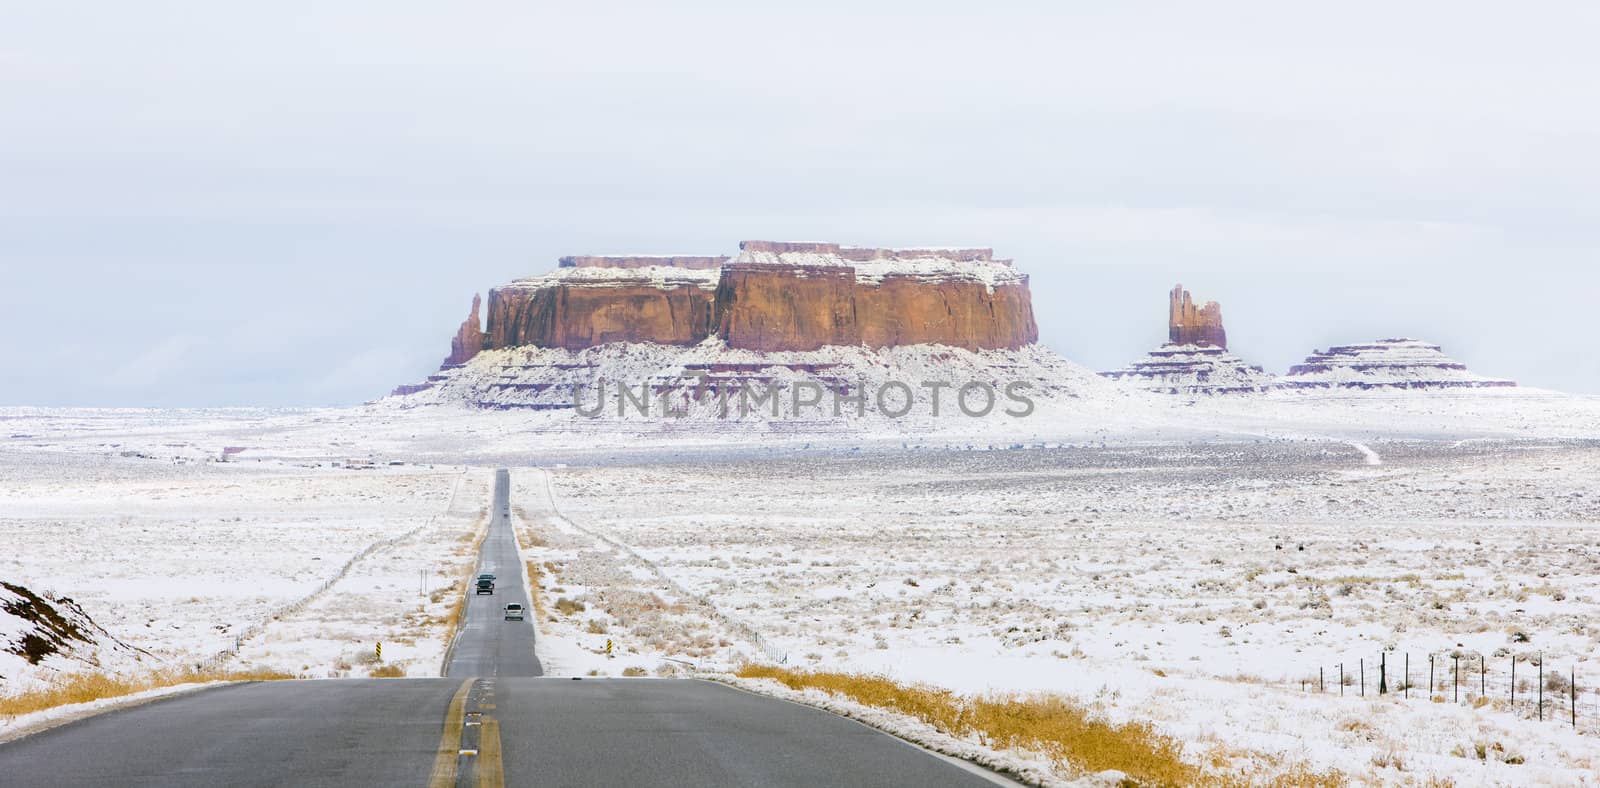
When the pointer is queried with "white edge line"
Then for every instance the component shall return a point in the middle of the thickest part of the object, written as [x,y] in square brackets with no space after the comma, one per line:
[113,704]
[992,775]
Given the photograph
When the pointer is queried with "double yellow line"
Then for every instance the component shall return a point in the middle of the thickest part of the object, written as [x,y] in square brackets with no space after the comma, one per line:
[491,770]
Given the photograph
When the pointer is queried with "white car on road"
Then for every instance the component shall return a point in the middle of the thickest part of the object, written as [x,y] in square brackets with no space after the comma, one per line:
[514,612]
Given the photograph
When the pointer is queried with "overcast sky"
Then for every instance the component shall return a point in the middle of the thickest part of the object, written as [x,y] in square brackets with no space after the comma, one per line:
[292,204]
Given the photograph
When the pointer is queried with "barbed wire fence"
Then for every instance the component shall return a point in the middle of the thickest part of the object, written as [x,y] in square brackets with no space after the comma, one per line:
[1525,685]
[260,625]
[739,626]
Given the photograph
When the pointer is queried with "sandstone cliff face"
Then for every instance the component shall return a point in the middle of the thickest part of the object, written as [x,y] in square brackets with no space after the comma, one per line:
[468,341]
[777,296]
[904,310]
[1189,325]
[580,315]
[1195,360]
[786,307]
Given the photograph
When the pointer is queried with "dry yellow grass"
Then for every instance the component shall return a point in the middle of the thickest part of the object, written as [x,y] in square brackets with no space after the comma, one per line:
[534,580]
[474,541]
[388,672]
[85,687]
[1070,735]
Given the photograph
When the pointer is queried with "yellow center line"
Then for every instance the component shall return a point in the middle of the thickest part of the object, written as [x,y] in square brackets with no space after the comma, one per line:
[491,772]
[444,764]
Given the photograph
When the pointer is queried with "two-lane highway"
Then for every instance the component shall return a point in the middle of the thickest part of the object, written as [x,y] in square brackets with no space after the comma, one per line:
[488,645]
[490,722]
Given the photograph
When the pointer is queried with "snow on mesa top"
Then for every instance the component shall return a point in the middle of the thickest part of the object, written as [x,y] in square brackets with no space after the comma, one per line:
[1385,364]
[874,264]
[774,296]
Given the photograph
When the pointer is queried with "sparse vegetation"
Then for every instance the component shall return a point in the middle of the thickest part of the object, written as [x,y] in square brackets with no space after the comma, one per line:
[535,581]
[387,672]
[85,687]
[471,541]
[1069,734]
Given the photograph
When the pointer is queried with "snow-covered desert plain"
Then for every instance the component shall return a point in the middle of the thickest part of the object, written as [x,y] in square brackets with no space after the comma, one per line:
[1190,564]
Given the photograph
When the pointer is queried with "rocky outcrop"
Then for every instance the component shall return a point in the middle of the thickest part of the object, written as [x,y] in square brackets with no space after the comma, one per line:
[777,296]
[1193,370]
[1191,325]
[786,307]
[909,310]
[52,632]
[468,341]
[802,296]
[1195,360]
[1398,363]
[580,314]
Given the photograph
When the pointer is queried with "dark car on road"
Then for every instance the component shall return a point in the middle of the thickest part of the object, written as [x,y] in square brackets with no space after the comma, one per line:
[485,584]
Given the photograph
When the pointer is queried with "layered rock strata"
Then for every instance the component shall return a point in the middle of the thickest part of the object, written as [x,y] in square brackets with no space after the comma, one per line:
[1188,324]
[776,296]
[468,341]
[1398,363]
[1195,360]
[586,306]
[1193,370]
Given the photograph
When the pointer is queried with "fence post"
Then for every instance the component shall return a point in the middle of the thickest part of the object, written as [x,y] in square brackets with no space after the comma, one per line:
[1430,677]
[1407,683]
[1341,679]
[1513,683]
[1383,675]
[1483,676]
[1457,668]
[1541,685]
[1321,688]
[1361,664]
[1572,689]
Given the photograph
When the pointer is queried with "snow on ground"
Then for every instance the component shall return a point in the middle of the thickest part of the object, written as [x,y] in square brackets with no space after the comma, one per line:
[1142,553]
[397,596]
[186,558]
[12,728]
[1197,586]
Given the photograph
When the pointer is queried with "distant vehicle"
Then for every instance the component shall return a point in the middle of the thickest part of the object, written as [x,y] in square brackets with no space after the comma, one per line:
[514,612]
[485,584]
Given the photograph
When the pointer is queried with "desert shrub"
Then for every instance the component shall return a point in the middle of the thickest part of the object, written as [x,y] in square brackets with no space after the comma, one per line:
[568,606]
[634,671]
[387,672]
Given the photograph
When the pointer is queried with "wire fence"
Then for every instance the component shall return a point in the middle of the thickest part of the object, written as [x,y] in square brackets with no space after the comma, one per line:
[742,628]
[259,626]
[1522,684]
[299,604]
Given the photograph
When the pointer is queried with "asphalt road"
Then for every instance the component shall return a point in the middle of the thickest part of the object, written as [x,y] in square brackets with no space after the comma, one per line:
[490,723]
[488,645]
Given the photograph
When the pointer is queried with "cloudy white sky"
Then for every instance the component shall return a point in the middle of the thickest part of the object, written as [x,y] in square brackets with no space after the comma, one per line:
[208,204]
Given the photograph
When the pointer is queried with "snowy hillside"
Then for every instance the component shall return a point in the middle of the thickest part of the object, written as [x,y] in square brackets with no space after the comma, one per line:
[1386,363]
[52,633]
[1193,369]
[705,382]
